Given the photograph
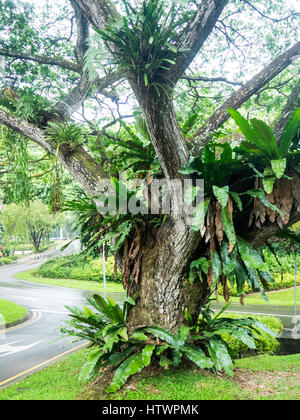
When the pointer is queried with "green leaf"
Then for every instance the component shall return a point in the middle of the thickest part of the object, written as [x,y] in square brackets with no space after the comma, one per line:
[228,226]
[228,262]
[263,327]
[278,166]
[216,268]
[147,354]
[199,215]
[129,367]
[139,336]
[261,196]
[188,316]
[242,336]
[250,255]
[266,135]
[238,201]
[160,349]
[221,194]
[177,356]
[289,133]
[90,368]
[219,354]
[165,362]
[182,335]
[129,300]
[197,356]
[116,358]
[146,79]
[244,126]
[268,183]
[163,334]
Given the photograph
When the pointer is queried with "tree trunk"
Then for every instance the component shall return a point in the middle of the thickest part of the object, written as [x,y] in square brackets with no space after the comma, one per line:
[163,291]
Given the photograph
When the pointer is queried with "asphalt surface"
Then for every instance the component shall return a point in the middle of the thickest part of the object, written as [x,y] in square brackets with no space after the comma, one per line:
[31,346]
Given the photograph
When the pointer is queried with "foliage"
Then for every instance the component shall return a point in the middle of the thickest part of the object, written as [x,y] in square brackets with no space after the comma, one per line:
[8,260]
[79,267]
[230,257]
[264,342]
[143,41]
[31,222]
[129,349]
[135,150]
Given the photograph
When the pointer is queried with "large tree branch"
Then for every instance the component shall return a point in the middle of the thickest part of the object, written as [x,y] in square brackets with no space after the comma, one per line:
[239,97]
[259,237]
[79,163]
[82,42]
[98,12]
[43,59]
[84,89]
[209,79]
[195,34]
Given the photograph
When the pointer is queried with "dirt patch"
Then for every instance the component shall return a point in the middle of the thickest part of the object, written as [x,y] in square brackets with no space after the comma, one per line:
[265,383]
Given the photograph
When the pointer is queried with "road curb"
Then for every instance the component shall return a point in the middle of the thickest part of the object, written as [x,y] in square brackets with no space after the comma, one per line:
[19,321]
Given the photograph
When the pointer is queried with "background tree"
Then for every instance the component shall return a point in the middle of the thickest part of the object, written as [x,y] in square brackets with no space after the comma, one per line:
[32,222]
[155,56]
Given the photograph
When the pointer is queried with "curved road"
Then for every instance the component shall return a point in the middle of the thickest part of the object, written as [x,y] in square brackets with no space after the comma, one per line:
[30,346]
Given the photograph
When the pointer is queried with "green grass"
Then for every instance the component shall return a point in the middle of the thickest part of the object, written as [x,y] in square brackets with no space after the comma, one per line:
[56,382]
[257,378]
[10,311]
[279,297]
[289,363]
[76,284]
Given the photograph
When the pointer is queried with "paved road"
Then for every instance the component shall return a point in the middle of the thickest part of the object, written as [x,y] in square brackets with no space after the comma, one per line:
[26,348]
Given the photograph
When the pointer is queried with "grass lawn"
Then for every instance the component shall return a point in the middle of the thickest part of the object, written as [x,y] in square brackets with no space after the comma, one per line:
[278,297]
[256,378]
[76,284]
[10,311]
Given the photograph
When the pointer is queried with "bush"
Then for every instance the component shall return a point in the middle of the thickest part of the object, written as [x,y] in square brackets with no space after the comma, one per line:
[7,260]
[130,349]
[265,343]
[78,267]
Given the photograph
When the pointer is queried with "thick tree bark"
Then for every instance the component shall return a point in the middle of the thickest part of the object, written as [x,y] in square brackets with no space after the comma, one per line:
[163,291]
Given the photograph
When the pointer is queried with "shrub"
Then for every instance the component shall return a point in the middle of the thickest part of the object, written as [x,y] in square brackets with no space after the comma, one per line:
[8,260]
[265,343]
[129,349]
[78,267]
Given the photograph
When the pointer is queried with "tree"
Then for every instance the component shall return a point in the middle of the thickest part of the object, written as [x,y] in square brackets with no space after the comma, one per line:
[153,46]
[33,220]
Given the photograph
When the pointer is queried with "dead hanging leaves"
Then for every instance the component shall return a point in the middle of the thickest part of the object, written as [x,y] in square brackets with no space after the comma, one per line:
[286,194]
[214,233]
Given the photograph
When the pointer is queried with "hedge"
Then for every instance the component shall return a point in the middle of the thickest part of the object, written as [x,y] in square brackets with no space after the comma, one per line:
[78,267]
[7,260]
[265,343]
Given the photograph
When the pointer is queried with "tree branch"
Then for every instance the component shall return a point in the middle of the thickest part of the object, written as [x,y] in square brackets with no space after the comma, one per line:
[98,12]
[195,34]
[209,79]
[239,97]
[78,162]
[43,59]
